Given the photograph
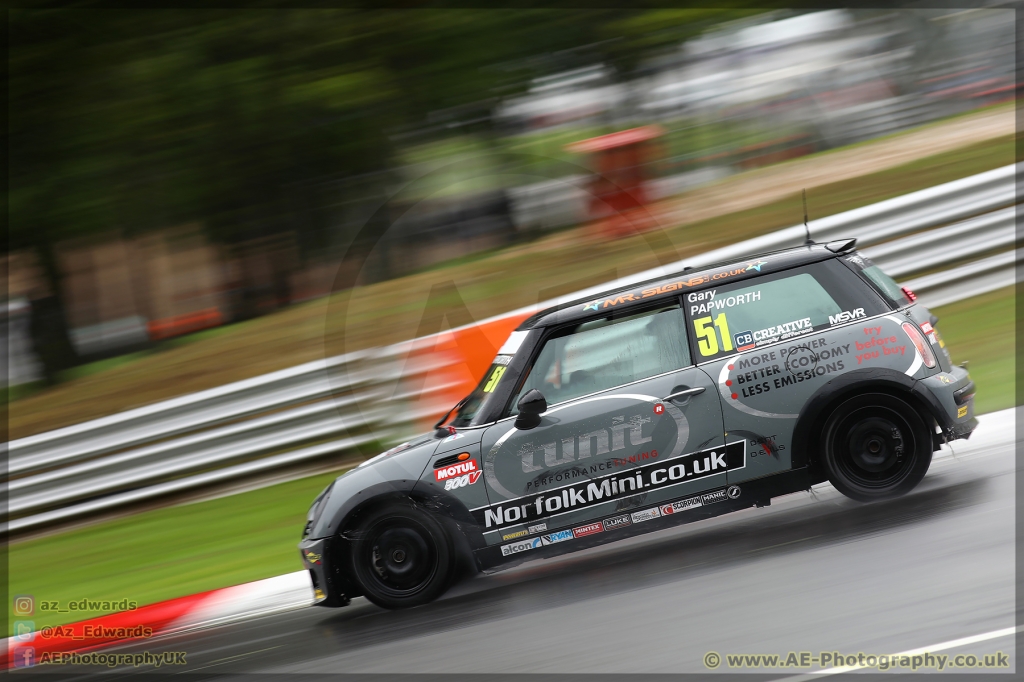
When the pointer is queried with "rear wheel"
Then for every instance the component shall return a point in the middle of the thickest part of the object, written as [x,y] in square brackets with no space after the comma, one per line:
[874,447]
[401,557]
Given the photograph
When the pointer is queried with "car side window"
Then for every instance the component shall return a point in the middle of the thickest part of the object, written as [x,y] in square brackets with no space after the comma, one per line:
[742,316]
[885,284]
[600,354]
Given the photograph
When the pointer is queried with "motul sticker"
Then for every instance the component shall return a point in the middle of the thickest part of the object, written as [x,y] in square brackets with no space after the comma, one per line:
[456,469]
[463,480]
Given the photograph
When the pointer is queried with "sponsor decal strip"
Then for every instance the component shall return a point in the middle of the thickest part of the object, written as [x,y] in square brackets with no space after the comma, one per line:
[675,286]
[598,490]
[618,521]
[701,500]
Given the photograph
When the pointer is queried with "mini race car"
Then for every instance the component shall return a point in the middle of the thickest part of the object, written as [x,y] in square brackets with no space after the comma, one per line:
[653,405]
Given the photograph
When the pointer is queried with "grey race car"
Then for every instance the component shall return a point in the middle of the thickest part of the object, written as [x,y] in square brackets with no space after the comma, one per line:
[658,404]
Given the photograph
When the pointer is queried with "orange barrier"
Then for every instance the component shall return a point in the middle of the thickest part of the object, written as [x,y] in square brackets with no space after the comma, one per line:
[167,327]
[468,352]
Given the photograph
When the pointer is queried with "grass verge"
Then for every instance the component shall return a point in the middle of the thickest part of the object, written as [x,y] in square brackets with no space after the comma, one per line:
[175,551]
[165,553]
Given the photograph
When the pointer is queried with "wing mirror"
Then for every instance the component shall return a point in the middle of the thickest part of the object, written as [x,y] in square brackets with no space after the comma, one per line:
[531,406]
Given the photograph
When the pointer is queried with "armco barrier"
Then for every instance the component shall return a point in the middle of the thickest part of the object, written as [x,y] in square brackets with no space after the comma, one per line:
[318,409]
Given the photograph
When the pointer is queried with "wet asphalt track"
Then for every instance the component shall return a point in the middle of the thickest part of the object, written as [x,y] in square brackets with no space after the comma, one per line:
[810,573]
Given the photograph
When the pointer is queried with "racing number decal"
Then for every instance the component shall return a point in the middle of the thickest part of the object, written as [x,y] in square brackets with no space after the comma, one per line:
[492,383]
[707,339]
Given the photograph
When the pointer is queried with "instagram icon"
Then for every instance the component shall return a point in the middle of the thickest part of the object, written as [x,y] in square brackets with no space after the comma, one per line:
[24,605]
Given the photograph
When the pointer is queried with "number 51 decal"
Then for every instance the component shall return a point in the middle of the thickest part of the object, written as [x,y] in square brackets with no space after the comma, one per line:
[707,339]
[492,383]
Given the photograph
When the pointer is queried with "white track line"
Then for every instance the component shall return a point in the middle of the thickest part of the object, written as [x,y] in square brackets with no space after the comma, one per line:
[951,644]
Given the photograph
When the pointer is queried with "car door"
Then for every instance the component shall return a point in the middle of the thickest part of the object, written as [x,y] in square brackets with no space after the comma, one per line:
[769,344]
[610,443]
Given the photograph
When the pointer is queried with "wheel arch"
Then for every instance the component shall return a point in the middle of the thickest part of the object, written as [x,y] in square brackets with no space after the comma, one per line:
[826,399]
[448,510]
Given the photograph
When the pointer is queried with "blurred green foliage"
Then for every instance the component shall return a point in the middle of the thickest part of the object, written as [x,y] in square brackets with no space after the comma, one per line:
[257,122]
[133,120]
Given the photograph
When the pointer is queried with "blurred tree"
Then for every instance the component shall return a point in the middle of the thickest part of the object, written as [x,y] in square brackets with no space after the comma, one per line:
[244,120]
[646,32]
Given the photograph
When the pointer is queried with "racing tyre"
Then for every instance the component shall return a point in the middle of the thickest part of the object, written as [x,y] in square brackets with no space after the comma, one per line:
[874,447]
[401,557]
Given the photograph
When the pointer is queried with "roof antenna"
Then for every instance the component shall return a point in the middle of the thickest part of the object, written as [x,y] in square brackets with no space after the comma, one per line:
[806,228]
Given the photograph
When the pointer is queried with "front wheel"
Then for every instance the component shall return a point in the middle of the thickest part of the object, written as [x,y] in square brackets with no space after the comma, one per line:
[874,447]
[401,557]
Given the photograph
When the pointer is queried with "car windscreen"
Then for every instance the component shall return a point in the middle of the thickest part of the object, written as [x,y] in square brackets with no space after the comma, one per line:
[490,394]
[484,390]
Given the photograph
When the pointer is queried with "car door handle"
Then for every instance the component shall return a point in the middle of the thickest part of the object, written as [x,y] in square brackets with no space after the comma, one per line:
[697,390]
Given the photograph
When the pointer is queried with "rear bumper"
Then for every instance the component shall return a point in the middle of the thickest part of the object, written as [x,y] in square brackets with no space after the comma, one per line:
[952,397]
[963,429]
[322,560]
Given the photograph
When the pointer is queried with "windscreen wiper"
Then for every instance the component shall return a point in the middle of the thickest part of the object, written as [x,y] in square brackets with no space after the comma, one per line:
[441,432]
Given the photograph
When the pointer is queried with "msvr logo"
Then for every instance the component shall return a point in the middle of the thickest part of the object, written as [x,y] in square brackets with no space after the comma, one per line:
[846,316]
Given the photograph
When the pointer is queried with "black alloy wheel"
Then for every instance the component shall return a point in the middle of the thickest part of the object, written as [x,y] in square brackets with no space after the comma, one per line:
[875,446]
[401,557]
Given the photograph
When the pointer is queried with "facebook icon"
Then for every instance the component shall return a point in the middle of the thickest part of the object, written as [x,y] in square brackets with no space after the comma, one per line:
[24,657]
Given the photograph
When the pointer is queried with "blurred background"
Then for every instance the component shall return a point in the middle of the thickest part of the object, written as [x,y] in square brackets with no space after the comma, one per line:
[225,226]
[175,171]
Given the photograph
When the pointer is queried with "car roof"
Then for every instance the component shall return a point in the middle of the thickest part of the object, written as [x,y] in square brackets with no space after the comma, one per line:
[685,280]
